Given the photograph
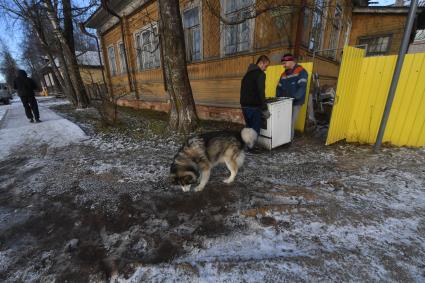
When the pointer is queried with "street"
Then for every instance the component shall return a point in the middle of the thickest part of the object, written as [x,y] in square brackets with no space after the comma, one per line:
[96,205]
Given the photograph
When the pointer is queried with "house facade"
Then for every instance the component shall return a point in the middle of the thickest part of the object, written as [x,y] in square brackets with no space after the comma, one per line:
[217,54]
[380,29]
[90,68]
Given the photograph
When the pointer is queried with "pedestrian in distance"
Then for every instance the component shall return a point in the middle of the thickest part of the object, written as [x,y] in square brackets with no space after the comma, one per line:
[26,88]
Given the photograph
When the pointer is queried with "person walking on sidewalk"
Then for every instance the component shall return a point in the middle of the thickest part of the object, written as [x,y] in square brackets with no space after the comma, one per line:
[293,83]
[26,87]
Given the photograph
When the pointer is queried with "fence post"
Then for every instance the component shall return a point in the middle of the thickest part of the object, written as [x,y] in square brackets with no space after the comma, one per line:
[403,49]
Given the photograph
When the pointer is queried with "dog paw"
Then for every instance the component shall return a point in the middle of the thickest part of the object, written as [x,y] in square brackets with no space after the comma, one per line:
[198,188]
[186,188]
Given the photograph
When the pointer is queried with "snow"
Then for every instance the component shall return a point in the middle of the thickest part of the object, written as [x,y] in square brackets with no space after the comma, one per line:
[307,213]
[3,112]
[17,133]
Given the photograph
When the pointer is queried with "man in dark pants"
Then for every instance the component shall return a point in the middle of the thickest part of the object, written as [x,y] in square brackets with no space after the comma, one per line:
[293,83]
[26,87]
[253,101]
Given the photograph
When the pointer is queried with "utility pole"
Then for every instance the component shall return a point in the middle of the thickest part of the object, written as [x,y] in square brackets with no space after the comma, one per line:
[403,49]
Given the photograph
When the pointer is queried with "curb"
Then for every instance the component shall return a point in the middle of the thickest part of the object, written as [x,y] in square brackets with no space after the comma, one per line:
[3,116]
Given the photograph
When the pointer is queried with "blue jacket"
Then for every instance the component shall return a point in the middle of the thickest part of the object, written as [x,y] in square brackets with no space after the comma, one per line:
[293,83]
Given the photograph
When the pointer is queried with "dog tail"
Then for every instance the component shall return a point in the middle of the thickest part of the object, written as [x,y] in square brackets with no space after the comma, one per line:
[249,136]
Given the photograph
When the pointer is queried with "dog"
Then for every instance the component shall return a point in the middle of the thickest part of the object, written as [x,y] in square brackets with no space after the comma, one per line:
[199,154]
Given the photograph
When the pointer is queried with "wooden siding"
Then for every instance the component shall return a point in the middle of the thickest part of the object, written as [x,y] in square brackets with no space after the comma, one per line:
[379,24]
[215,80]
[91,75]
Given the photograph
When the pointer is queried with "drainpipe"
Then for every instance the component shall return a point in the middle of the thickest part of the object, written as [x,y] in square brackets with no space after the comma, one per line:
[105,6]
[400,59]
[84,31]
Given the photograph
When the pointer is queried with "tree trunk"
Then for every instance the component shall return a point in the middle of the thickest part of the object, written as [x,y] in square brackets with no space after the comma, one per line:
[183,116]
[64,81]
[68,88]
[70,58]
[68,28]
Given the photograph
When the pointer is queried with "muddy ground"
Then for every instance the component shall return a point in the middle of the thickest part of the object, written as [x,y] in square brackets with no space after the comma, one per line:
[103,210]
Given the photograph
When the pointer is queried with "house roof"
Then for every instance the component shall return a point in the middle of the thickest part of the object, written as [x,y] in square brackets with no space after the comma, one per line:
[84,58]
[393,10]
[102,19]
[89,58]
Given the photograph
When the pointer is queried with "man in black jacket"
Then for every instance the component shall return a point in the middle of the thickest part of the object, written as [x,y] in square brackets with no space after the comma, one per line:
[26,87]
[253,100]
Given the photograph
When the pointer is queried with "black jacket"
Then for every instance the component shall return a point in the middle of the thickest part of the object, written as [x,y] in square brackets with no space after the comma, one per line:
[25,86]
[253,88]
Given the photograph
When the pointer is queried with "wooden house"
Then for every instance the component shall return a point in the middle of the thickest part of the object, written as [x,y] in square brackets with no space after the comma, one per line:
[90,70]
[217,54]
[380,29]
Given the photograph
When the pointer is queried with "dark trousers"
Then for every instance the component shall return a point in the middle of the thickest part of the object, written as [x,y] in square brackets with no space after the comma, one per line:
[31,107]
[252,116]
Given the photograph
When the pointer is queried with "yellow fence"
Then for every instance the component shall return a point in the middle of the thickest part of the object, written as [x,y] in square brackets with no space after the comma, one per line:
[362,91]
[273,74]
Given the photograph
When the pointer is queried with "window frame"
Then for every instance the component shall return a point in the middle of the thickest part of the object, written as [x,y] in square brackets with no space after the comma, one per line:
[335,34]
[323,23]
[377,36]
[190,6]
[223,30]
[123,69]
[138,33]
[113,72]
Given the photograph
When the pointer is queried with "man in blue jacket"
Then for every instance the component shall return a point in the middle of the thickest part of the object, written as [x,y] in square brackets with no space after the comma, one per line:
[293,83]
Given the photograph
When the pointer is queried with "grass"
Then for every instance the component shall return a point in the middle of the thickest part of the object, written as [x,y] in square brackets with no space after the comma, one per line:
[136,123]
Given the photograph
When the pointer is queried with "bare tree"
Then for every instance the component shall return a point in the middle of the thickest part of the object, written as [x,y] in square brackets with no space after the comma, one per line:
[8,65]
[183,116]
[66,42]
[52,23]
[32,15]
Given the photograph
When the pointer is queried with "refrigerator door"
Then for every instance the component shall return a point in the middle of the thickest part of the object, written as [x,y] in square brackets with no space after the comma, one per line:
[281,122]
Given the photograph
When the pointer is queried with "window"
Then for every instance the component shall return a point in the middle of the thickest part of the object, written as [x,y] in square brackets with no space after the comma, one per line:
[336,31]
[122,57]
[192,34]
[112,61]
[316,35]
[376,45]
[147,45]
[237,38]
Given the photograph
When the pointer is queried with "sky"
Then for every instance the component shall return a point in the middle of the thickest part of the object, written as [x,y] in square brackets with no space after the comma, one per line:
[11,34]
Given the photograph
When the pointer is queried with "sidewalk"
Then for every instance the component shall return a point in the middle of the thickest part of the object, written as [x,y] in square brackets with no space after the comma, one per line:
[16,131]
[3,113]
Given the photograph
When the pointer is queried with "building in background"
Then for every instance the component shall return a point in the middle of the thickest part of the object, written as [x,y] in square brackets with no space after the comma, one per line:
[381,29]
[90,69]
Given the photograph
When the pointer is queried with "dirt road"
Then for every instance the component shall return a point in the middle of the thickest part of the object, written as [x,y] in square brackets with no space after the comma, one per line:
[102,209]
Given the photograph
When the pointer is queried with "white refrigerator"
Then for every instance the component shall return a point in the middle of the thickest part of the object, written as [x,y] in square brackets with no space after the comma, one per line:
[276,130]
